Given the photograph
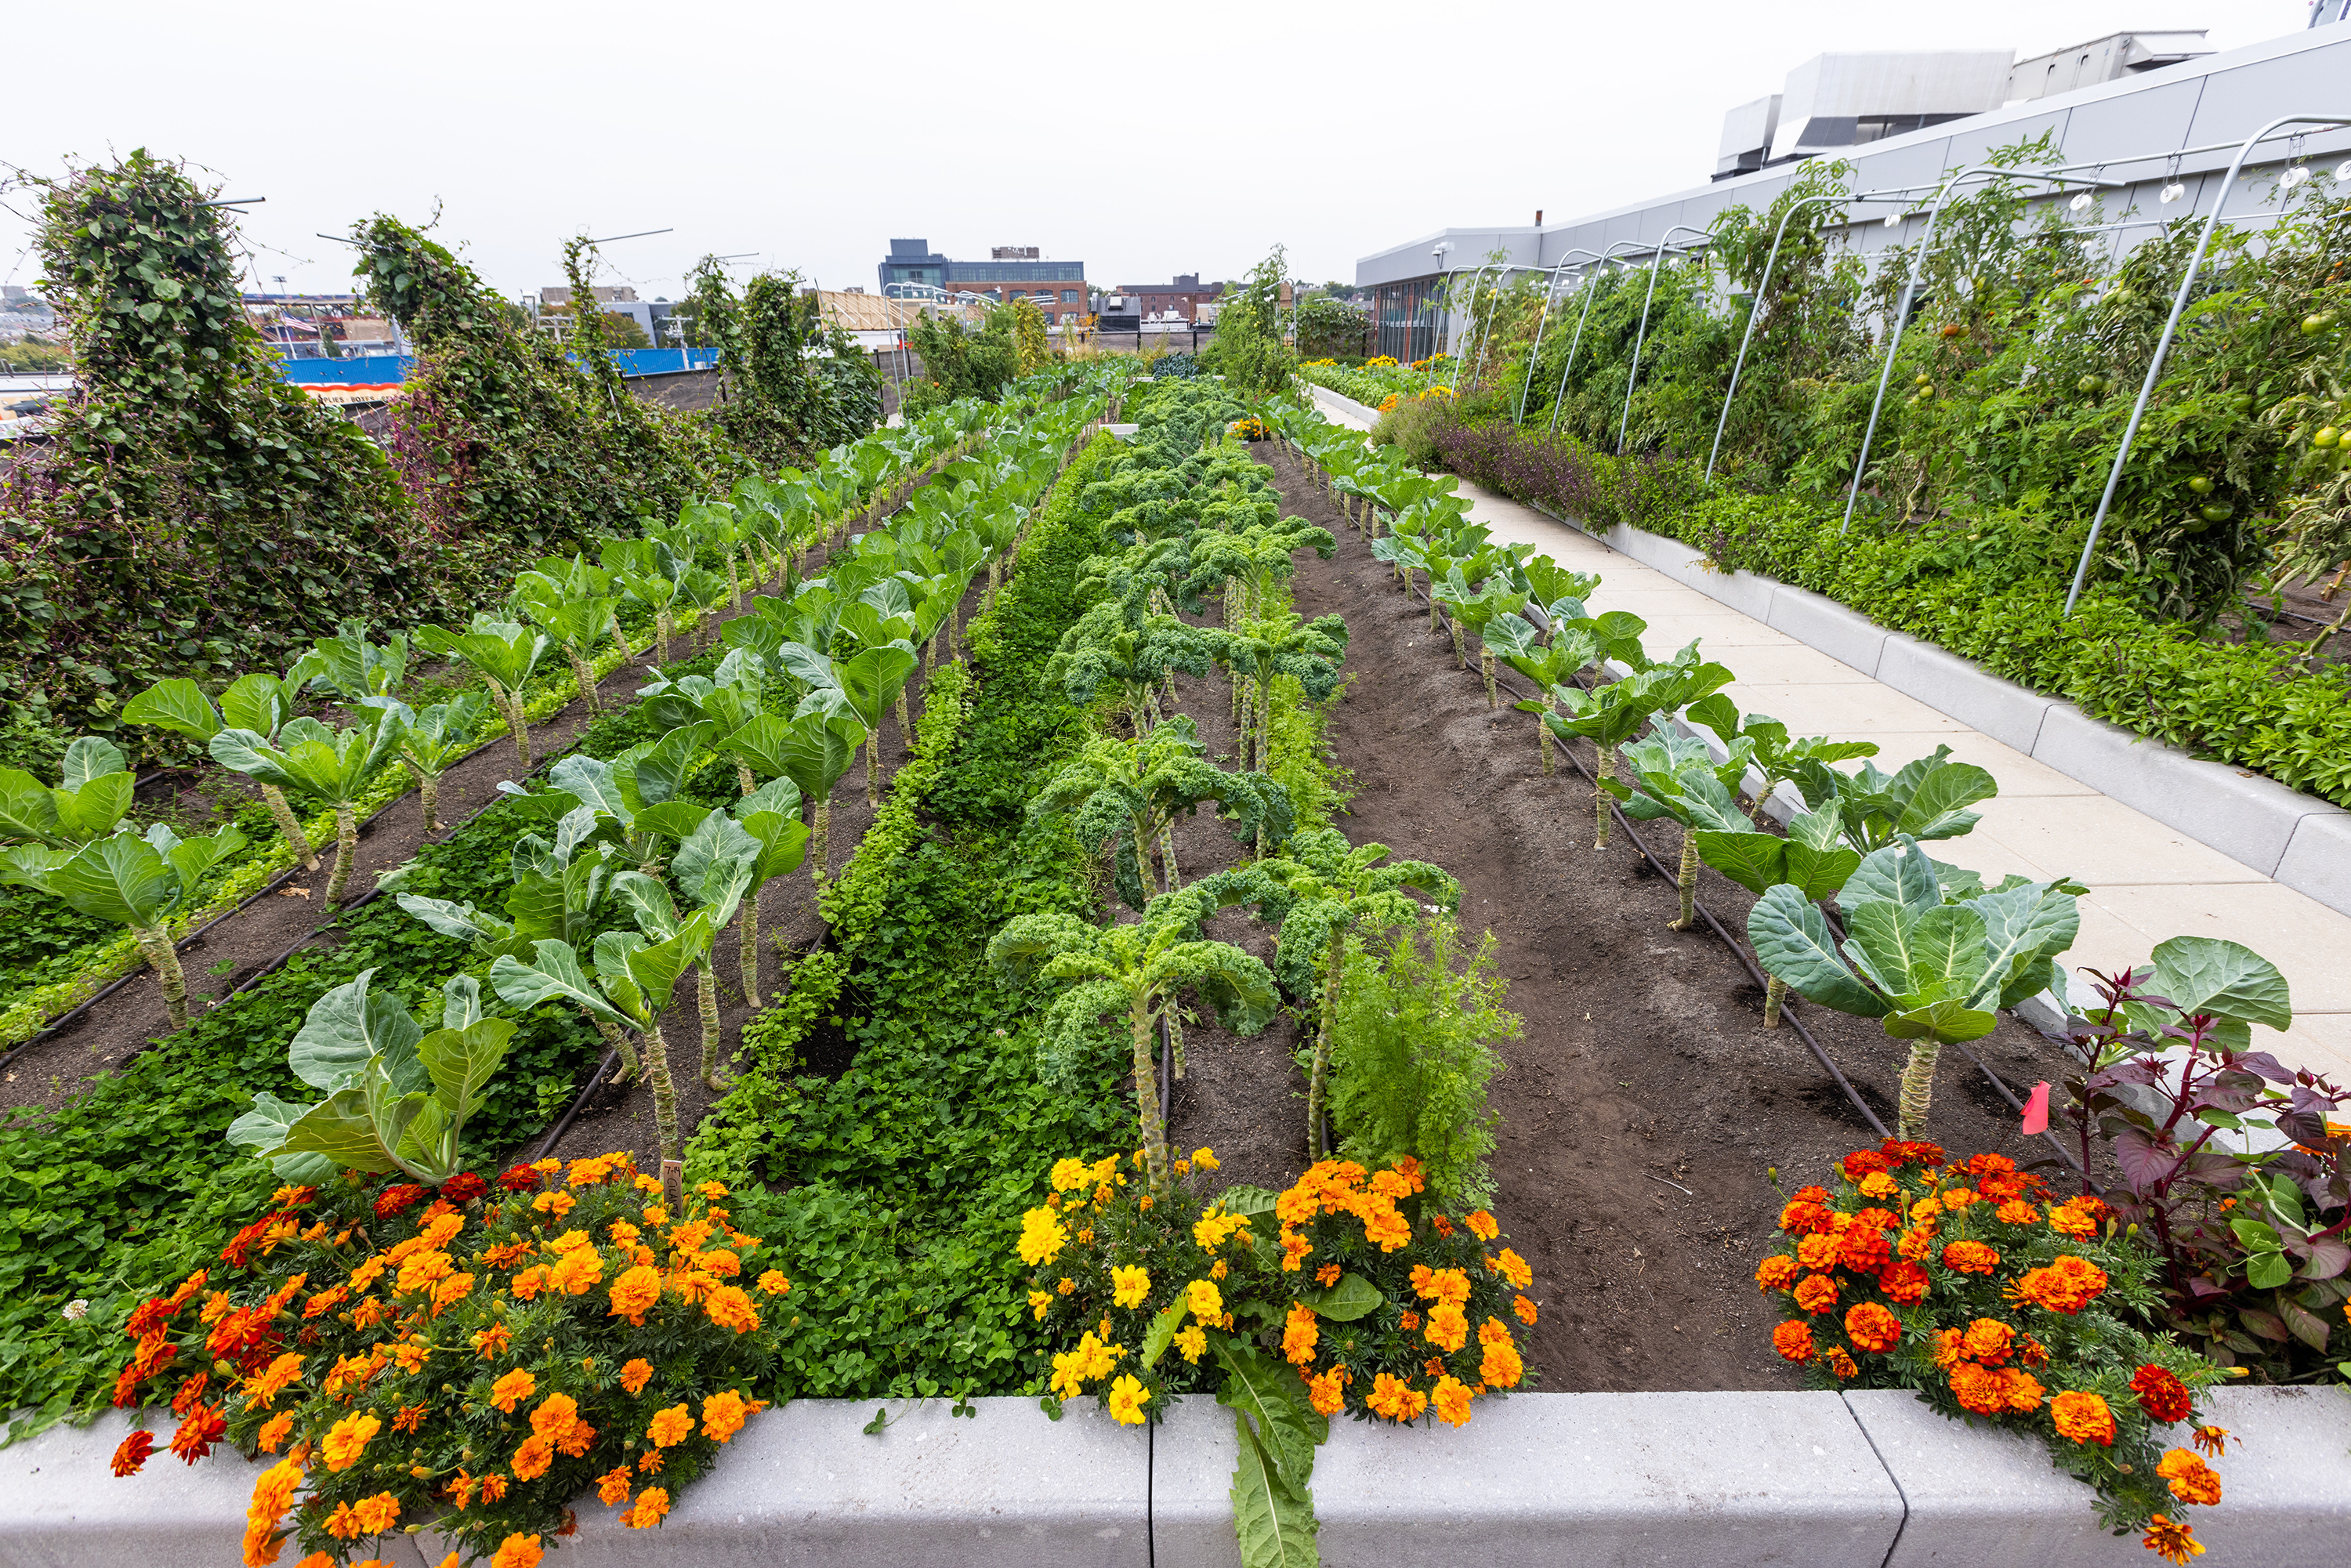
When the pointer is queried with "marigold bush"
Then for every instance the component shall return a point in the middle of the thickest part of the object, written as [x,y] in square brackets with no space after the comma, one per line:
[1996,1299]
[476,1360]
[1381,1303]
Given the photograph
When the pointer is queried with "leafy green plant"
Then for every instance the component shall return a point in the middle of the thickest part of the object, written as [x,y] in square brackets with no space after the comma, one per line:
[1413,1037]
[504,654]
[261,704]
[1137,969]
[813,750]
[1930,968]
[398,1091]
[330,766]
[1611,715]
[431,742]
[1813,859]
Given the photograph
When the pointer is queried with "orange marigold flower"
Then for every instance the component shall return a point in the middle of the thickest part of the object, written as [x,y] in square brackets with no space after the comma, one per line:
[274,1381]
[493,1488]
[410,1418]
[576,1273]
[1441,1224]
[274,1431]
[1387,1229]
[1327,1275]
[2172,1542]
[493,1341]
[1969,1257]
[512,1389]
[1525,1309]
[1451,1397]
[1817,1292]
[2019,1391]
[2189,1478]
[2016,1211]
[2162,1395]
[1988,1340]
[652,1504]
[1917,1244]
[1326,1392]
[1409,1322]
[348,1438]
[1299,1336]
[1396,1399]
[555,1418]
[636,1375]
[1871,1327]
[1864,1250]
[1803,1216]
[2210,1440]
[1448,1328]
[343,1524]
[1816,1251]
[613,1486]
[1793,1340]
[518,1552]
[1294,1248]
[2082,1417]
[774,1283]
[650,1464]
[730,1308]
[527,1284]
[723,1413]
[1513,1267]
[533,1458]
[671,1427]
[635,1293]
[2066,1285]
[1502,1367]
[1482,1225]
[131,1454]
[378,1513]
[1981,1389]
[1838,1362]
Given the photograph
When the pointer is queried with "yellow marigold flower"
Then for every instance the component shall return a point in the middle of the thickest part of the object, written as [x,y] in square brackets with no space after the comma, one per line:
[1067,1285]
[635,1293]
[1205,1158]
[1208,1302]
[348,1438]
[1127,1398]
[1069,1175]
[1040,1302]
[558,1204]
[1191,1342]
[1130,1285]
[1393,1397]
[1042,1237]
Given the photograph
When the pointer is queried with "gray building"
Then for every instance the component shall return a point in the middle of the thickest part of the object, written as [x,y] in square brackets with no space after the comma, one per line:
[2167,128]
[1058,288]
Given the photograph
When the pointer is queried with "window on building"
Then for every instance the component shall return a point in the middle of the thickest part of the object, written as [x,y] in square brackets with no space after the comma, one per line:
[1069,297]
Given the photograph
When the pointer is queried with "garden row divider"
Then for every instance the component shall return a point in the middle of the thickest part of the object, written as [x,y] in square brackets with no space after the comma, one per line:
[1857,1478]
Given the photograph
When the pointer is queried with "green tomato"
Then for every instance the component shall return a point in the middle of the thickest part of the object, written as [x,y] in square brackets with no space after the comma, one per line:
[1924,378]
[2088,384]
[2216,512]
[2311,326]
[2201,485]
[2328,436]
[1926,391]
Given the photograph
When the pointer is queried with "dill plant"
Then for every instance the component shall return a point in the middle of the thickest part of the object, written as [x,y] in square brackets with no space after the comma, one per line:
[1412,1052]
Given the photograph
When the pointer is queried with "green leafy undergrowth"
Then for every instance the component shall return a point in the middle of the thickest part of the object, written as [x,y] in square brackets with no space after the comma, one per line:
[134,1181]
[897,1183]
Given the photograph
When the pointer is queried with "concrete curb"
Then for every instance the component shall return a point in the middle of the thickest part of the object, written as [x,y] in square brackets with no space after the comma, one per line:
[2297,839]
[1341,403]
[1869,1479]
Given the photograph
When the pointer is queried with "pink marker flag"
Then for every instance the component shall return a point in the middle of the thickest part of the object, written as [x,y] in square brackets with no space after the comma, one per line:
[2036,1111]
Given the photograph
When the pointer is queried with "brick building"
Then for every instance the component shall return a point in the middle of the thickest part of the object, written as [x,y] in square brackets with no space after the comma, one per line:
[1058,288]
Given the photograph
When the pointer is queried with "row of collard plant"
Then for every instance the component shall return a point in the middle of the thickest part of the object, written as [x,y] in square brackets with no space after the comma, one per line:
[2216,1250]
[611,1328]
[1372,1286]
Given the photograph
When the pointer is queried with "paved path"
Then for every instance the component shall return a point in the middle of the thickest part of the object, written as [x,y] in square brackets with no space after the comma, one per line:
[2146,882]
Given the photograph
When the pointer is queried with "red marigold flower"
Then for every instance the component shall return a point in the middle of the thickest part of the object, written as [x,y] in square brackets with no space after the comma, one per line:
[1970,1258]
[1862,1162]
[1803,1216]
[1912,1152]
[1989,1165]
[239,1250]
[150,1317]
[1864,1250]
[204,1427]
[519,1178]
[132,1452]
[1904,1282]
[1777,1272]
[1838,1362]
[1814,1194]
[2174,1543]
[1793,1340]
[2162,1395]
[1872,1327]
[394,1200]
[2066,1285]
[1817,1293]
[463,1187]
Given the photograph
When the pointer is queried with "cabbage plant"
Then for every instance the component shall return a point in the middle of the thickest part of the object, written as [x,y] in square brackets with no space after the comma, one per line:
[1813,857]
[398,1092]
[505,653]
[333,766]
[261,704]
[1932,968]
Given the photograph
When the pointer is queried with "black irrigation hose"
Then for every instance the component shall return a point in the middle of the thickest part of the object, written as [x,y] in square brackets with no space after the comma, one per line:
[1998,1083]
[1737,950]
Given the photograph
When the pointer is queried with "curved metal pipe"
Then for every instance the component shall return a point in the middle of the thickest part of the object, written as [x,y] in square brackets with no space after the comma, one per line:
[1753,311]
[1576,341]
[1470,326]
[2170,329]
[1909,291]
[1633,371]
[1487,342]
[1550,292]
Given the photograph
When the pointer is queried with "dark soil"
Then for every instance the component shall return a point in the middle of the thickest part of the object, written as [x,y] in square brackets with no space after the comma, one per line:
[1644,1104]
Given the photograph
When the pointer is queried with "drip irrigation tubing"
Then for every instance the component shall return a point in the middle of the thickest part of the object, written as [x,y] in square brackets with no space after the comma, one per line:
[1997,1082]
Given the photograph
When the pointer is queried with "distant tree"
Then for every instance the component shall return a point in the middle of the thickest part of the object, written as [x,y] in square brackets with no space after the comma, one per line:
[624,332]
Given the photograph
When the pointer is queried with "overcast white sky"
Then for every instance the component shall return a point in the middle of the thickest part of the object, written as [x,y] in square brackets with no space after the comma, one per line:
[1142,141]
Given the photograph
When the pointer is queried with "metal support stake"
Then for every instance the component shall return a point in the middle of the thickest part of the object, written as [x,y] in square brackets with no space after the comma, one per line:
[2171,330]
[1753,311]
[1550,292]
[1909,291]
[1633,371]
[1577,341]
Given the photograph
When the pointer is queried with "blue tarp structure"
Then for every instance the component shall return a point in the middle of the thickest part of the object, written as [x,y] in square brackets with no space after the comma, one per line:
[386,369]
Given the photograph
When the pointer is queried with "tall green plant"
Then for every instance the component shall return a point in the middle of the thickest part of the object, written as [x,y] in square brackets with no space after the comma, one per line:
[261,704]
[333,766]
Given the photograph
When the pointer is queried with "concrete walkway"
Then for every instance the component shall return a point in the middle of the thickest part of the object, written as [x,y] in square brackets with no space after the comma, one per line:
[2148,881]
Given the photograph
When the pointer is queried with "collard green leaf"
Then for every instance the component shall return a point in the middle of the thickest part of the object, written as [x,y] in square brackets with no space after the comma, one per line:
[87,760]
[2207,974]
[181,706]
[1946,1022]
[341,1129]
[122,879]
[1351,1297]
[263,1129]
[462,1061]
[349,1028]
[1791,941]
[553,974]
